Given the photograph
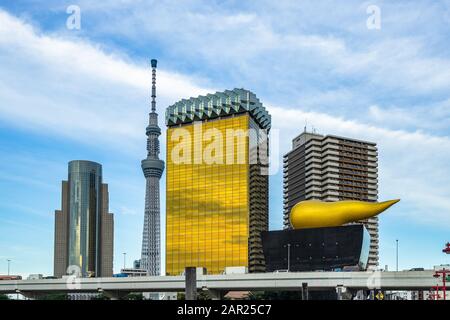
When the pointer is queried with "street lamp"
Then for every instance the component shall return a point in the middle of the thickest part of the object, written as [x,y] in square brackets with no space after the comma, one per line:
[397,253]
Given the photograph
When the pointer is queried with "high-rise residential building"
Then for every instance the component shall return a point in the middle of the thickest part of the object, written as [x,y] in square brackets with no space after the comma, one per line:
[152,168]
[217,182]
[332,168]
[84,229]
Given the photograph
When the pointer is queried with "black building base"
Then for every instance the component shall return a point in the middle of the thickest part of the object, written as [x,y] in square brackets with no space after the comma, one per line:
[317,249]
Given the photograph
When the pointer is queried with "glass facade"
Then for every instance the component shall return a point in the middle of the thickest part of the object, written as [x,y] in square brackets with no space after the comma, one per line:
[209,196]
[365,249]
[313,249]
[85,184]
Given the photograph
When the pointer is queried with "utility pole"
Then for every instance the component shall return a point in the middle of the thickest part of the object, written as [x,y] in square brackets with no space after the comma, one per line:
[305,295]
[9,262]
[190,278]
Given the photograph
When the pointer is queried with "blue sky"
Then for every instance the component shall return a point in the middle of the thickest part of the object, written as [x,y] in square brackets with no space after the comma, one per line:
[84,94]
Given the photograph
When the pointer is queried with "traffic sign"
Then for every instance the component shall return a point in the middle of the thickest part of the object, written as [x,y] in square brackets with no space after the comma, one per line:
[380,296]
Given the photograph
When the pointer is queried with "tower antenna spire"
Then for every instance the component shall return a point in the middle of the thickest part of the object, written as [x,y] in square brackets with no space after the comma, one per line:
[154,63]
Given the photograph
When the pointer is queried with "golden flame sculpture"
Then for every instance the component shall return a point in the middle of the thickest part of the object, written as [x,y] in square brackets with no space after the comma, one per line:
[319,214]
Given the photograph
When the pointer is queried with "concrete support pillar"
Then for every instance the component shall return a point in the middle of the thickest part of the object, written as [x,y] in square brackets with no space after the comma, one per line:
[340,292]
[305,294]
[190,283]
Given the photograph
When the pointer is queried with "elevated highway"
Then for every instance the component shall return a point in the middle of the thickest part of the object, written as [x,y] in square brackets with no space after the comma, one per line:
[116,287]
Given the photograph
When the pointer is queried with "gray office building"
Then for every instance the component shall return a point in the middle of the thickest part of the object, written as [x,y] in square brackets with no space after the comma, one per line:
[84,229]
[332,168]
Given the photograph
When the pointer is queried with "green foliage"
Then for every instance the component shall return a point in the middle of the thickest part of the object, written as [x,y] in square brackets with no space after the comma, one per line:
[292,295]
[54,296]
[4,297]
[201,295]
[134,296]
[275,295]
[100,296]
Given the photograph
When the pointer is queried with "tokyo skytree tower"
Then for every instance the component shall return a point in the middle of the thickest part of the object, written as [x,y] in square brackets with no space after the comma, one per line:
[153,168]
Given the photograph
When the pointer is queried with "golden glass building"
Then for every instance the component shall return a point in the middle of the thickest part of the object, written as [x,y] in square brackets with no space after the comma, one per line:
[217,183]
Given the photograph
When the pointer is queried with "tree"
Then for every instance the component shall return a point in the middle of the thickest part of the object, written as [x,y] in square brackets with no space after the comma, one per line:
[181,296]
[292,295]
[54,296]
[134,296]
[4,297]
[201,295]
[275,295]
[100,296]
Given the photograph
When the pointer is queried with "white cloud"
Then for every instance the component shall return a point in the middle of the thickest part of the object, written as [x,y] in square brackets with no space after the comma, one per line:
[126,211]
[314,54]
[254,41]
[432,117]
[414,166]
[74,88]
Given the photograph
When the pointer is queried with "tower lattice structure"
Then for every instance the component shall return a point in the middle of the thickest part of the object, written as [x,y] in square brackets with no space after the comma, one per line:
[152,168]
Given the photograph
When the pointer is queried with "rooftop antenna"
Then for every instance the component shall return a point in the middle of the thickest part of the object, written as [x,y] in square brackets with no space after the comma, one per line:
[306,124]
